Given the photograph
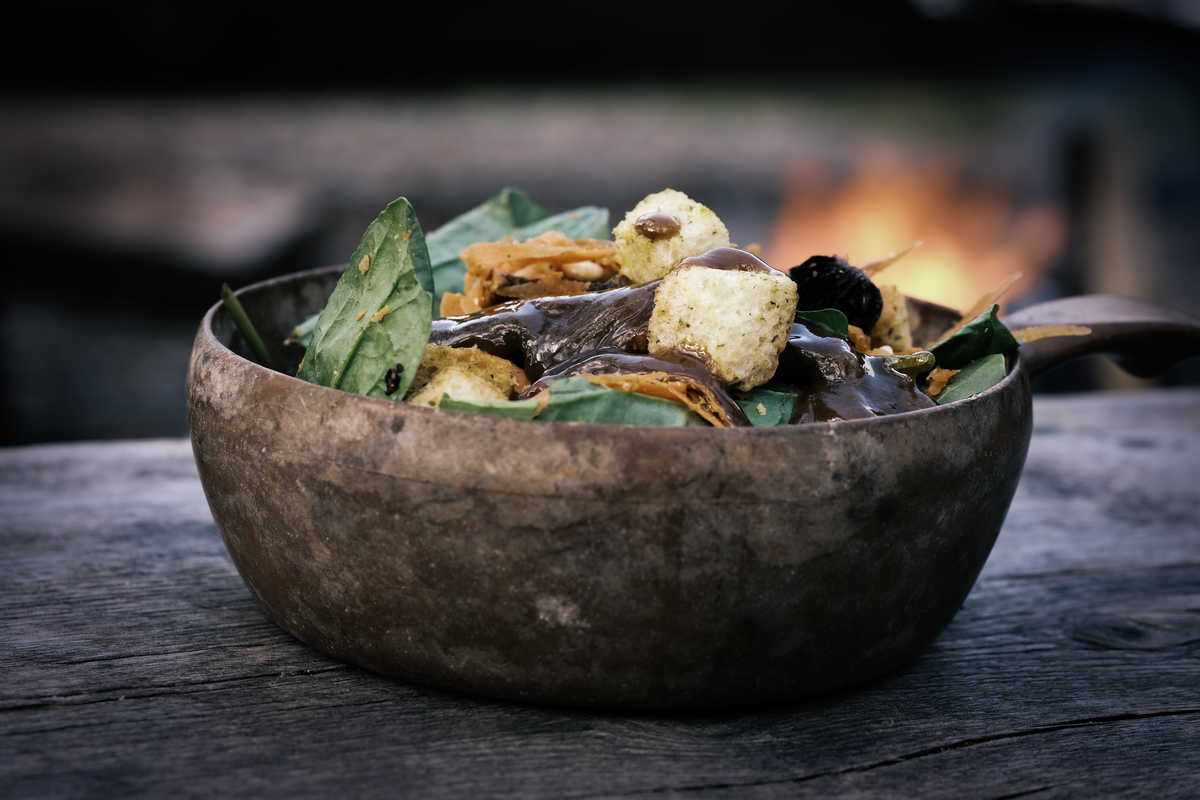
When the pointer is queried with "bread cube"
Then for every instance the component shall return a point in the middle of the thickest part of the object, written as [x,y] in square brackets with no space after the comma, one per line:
[892,329]
[662,230]
[464,373]
[737,321]
[459,383]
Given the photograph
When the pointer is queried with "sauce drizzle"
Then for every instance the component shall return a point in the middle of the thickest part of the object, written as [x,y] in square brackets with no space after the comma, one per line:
[729,258]
[657,225]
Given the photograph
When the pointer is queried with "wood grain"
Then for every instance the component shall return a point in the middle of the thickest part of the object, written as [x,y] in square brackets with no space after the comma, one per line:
[135,663]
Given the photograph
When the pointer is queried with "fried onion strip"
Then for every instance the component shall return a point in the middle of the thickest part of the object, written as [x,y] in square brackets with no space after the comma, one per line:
[666,387]
[1036,332]
[873,268]
[981,305]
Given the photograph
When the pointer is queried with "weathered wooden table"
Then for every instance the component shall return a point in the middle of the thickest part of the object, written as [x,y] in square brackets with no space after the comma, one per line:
[133,660]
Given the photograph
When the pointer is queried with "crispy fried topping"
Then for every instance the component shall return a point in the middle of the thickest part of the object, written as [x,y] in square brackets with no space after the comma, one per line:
[1046,331]
[938,380]
[545,259]
[506,376]
[981,305]
[873,268]
[668,387]
[859,339]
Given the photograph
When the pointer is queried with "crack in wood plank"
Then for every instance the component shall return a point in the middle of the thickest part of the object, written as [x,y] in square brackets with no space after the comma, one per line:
[160,690]
[105,723]
[1001,577]
[1026,792]
[155,653]
[1038,730]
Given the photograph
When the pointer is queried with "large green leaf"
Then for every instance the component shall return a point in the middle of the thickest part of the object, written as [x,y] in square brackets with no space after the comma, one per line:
[980,374]
[585,222]
[509,213]
[580,400]
[494,219]
[768,405]
[516,409]
[829,322]
[985,335]
[372,333]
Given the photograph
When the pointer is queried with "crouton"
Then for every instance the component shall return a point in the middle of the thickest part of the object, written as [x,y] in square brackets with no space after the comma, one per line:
[662,230]
[892,328]
[459,383]
[464,373]
[736,320]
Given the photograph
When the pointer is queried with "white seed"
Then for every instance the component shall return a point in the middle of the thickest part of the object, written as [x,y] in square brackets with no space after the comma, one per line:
[584,271]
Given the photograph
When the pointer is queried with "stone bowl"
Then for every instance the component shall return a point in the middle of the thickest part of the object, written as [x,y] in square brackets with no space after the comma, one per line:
[609,565]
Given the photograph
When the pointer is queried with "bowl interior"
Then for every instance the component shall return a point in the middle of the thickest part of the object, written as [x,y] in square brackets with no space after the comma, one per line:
[276,306]
[671,567]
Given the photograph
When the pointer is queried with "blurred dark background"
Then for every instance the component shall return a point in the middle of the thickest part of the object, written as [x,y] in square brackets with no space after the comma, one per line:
[150,152]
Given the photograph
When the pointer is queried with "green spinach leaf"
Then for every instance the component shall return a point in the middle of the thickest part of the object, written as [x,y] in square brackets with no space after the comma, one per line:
[982,336]
[516,409]
[825,322]
[509,213]
[768,405]
[980,374]
[580,400]
[302,334]
[492,220]
[585,222]
[241,319]
[372,333]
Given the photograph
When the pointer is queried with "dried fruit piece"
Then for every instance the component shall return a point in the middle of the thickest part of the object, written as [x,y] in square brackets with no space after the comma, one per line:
[829,282]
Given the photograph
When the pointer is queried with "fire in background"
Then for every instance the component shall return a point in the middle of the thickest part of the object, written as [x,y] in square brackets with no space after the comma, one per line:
[973,235]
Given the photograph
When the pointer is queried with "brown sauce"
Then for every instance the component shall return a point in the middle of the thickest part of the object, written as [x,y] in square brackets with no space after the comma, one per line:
[729,258]
[541,333]
[655,226]
[837,382]
[605,332]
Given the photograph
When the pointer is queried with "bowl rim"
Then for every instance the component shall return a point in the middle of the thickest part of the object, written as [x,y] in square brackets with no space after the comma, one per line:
[207,336]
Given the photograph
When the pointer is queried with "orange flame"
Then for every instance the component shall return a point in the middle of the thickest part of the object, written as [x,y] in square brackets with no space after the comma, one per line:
[972,237]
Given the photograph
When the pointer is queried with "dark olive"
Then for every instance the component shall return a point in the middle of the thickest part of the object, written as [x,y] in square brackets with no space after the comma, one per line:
[829,282]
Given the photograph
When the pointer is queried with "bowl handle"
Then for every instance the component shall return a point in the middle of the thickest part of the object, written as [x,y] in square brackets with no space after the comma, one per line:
[1143,338]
